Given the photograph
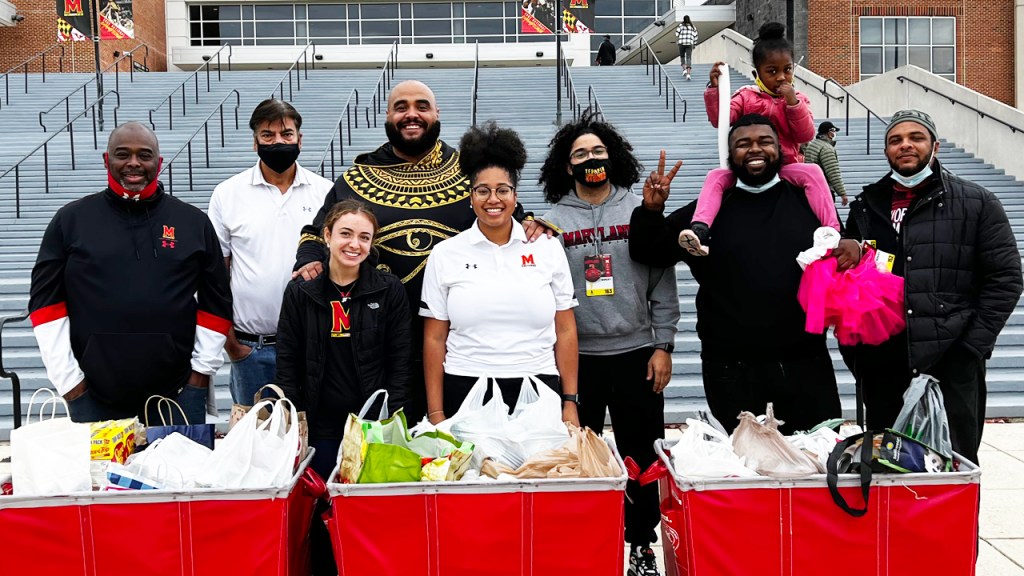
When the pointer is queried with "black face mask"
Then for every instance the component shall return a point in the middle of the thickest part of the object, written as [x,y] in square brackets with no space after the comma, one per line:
[593,173]
[278,157]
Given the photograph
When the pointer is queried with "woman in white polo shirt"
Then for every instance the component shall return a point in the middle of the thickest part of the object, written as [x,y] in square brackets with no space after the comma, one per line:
[493,304]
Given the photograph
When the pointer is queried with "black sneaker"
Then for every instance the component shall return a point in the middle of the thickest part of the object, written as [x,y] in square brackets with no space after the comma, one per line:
[642,562]
[695,239]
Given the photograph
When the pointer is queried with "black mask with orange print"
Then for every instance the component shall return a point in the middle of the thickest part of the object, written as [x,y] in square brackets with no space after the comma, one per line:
[593,173]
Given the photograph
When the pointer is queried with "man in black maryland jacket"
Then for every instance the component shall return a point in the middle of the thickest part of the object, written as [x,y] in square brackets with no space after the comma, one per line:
[952,243]
[129,293]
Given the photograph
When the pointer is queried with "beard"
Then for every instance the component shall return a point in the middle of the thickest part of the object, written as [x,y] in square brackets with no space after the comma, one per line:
[416,146]
[921,164]
[771,169]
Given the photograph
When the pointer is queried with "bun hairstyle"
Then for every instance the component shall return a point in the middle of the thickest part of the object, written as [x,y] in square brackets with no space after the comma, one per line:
[492,147]
[771,37]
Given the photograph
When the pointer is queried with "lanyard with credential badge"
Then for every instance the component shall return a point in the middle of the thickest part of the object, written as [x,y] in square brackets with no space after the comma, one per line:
[597,269]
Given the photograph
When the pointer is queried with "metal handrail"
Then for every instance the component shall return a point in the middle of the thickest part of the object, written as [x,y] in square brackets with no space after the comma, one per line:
[593,104]
[847,98]
[476,81]
[24,67]
[46,155]
[10,374]
[116,66]
[570,90]
[649,67]
[955,101]
[205,129]
[304,56]
[345,117]
[193,75]
[383,87]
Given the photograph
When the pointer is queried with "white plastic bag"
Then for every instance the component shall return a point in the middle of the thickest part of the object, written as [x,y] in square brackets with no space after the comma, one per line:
[705,452]
[485,425]
[766,449]
[256,454]
[182,454]
[536,423]
[50,456]
[818,444]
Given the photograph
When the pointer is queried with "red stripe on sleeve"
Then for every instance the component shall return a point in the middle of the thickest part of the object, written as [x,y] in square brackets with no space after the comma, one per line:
[212,322]
[49,314]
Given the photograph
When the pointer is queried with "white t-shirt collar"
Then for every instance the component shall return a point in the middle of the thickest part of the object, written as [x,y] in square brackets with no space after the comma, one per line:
[259,180]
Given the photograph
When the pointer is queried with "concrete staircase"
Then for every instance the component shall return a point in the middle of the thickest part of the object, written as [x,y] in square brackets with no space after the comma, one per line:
[522,98]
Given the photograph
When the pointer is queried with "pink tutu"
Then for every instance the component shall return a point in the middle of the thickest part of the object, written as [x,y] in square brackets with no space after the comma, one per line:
[864,304]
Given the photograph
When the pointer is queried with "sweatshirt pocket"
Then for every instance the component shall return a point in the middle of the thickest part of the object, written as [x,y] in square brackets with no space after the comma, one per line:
[125,369]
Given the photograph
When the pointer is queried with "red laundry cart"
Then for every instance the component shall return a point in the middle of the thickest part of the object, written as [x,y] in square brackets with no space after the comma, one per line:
[162,532]
[523,528]
[916,525]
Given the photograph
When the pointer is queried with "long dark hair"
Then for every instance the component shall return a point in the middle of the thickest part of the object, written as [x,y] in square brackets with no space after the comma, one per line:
[771,37]
[625,168]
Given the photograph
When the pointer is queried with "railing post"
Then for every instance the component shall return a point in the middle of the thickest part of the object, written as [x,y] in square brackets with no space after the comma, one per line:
[847,113]
[46,168]
[867,116]
[17,191]
[206,141]
[26,77]
[221,110]
[170,179]
[71,136]
[190,186]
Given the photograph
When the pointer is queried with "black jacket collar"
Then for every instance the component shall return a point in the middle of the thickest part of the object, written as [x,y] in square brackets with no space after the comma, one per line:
[128,205]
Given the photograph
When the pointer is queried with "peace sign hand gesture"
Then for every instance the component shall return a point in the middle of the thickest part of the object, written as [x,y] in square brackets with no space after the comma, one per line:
[656,187]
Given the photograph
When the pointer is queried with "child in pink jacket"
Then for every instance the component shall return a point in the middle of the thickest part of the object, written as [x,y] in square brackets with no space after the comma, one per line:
[790,113]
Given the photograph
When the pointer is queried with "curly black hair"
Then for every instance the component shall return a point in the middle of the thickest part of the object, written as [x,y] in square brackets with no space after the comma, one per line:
[771,37]
[490,146]
[557,181]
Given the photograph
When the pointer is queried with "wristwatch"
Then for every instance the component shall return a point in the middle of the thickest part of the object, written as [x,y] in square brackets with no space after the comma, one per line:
[670,348]
[574,398]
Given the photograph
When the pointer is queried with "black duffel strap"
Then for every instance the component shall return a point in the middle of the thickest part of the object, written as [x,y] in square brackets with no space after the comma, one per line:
[832,477]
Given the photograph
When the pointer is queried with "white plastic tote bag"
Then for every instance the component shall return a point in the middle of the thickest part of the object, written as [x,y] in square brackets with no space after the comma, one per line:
[256,454]
[50,456]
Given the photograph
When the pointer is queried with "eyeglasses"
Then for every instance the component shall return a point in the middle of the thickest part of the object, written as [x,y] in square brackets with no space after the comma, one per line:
[596,151]
[484,192]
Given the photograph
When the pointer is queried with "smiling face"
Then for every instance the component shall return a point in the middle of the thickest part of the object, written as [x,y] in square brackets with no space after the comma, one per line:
[776,69]
[494,198]
[413,122]
[133,157]
[909,148]
[754,154]
[349,240]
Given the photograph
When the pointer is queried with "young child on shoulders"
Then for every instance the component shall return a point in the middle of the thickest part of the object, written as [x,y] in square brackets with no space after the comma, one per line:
[789,110]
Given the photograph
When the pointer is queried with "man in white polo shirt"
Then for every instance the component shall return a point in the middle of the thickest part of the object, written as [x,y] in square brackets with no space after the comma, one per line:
[258,215]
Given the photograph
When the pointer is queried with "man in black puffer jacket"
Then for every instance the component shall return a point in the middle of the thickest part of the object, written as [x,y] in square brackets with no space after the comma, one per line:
[952,243]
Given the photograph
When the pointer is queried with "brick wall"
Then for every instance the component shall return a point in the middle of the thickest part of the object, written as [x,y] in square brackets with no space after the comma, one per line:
[984,37]
[39,31]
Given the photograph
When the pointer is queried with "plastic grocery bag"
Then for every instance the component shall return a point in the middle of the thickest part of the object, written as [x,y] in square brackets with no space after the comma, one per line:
[766,449]
[818,444]
[238,411]
[50,456]
[583,455]
[923,416]
[485,424]
[256,454]
[706,452]
[536,423]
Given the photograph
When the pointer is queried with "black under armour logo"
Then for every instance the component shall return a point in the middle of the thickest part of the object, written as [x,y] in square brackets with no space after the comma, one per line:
[307,209]
[468,266]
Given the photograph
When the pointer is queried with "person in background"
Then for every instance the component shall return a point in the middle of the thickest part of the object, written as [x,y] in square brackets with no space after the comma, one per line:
[822,151]
[494,304]
[258,215]
[628,313]
[342,336]
[606,52]
[129,295]
[686,38]
[951,241]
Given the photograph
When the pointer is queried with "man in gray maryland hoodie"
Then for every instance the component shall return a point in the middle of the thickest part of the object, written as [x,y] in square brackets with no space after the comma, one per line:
[628,313]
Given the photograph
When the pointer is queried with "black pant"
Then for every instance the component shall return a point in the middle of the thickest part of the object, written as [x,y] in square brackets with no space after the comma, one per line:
[416,402]
[619,384]
[803,392]
[456,388]
[885,377]
[320,551]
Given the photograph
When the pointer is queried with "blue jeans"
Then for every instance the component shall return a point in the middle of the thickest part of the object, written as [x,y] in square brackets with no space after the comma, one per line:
[252,372]
[86,408]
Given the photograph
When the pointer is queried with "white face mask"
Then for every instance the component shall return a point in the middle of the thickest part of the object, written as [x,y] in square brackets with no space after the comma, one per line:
[757,189]
[916,179]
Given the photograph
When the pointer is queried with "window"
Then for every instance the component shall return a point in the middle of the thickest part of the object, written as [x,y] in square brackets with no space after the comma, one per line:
[887,43]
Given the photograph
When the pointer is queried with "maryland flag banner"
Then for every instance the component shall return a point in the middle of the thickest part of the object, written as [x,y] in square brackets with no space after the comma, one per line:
[116,21]
[74,20]
[578,18]
[538,17]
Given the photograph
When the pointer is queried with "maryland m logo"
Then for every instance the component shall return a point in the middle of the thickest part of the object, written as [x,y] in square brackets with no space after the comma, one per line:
[528,260]
[73,8]
[168,232]
[341,324]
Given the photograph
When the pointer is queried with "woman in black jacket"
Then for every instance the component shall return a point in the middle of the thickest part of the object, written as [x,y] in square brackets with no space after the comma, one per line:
[341,337]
